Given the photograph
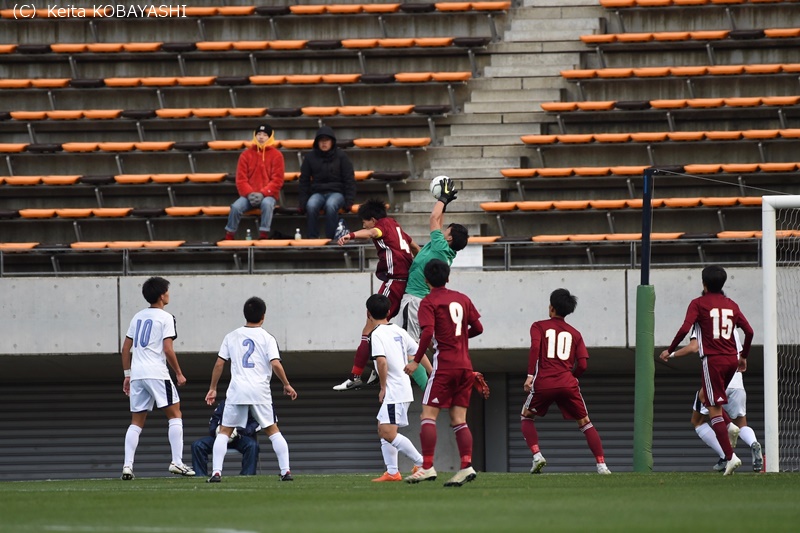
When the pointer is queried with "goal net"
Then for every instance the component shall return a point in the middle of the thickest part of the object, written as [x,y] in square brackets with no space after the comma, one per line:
[781,284]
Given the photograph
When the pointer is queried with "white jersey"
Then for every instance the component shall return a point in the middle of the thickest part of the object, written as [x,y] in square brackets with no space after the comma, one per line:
[395,344]
[149,327]
[736,381]
[250,351]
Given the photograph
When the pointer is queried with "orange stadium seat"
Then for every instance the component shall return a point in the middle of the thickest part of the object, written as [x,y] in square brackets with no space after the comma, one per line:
[498,206]
[60,180]
[23,180]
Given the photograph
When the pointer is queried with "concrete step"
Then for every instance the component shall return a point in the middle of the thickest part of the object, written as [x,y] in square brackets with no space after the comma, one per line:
[513,107]
[467,174]
[494,129]
[560,12]
[516,72]
[481,140]
[509,84]
[533,60]
[557,3]
[473,161]
[544,95]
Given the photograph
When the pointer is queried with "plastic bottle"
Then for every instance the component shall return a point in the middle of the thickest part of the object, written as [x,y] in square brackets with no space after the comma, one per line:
[341,229]
[249,236]
[297,235]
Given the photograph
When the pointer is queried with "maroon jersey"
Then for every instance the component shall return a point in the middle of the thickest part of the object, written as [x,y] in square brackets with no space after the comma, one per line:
[716,316]
[451,315]
[394,253]
[555,348]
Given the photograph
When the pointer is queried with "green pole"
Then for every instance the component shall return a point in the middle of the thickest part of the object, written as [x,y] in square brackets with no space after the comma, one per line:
[645,376]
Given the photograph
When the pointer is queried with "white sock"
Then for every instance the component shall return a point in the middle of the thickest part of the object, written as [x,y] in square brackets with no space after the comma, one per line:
[131,442]
[708,436]
[389,456]
[747,434]
[218,453]
[175,433]
[281,449]
[404,445]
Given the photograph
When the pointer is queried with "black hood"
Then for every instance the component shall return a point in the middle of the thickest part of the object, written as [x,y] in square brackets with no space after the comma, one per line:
[324,131]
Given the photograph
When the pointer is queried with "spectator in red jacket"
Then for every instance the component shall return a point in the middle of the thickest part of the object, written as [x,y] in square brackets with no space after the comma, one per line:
[259,179]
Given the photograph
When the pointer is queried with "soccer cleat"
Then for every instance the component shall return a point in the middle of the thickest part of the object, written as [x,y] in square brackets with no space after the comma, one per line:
[538,464]
[181,470]
[349,384]
[732,465]
[286,477]
[603,469]
[733,434]
[215,478]
[465,475]
[758,457]
[422,474]
[481,386]
[373,376]
[127,473]
[720,466]
[416,467]
[389,477]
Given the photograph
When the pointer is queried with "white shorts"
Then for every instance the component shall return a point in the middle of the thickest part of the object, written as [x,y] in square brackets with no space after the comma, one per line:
[235,416]
[394,413]
[736,406]
[146,392]
[408,317]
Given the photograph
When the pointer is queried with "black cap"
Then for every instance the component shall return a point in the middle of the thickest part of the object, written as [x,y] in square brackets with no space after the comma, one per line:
[264,128]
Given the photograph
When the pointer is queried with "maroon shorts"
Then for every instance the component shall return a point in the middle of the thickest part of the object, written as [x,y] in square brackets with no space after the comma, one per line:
[449,387]
[568,399]
[393,289]
[718,370]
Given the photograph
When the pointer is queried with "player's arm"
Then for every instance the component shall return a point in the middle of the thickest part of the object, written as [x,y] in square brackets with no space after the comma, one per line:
[691,317]
[126,365]
[475,328]
[414,247]
[745,326]
[383,372]
[277,369]
[372,233]
[172,360]
[437,216]
[216,373]
[581,358]
[533,355]
[425,338]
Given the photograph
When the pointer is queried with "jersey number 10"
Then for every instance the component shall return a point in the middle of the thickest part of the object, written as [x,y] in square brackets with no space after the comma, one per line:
[558,345]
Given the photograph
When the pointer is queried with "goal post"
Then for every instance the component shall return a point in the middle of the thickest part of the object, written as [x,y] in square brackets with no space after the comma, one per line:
[774,334]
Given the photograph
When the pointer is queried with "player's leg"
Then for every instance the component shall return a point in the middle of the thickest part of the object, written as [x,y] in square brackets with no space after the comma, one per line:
[265,416]
[201,448]
[427,437]
[704,431]
[390,418]
[141,402]
[387,433]
[572,405]
[535,404]
[232,416]
[716,374]
[167,399]
[737,410]
[458,422]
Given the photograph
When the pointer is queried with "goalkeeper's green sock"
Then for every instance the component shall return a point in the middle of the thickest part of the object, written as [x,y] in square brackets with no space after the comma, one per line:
[420,377]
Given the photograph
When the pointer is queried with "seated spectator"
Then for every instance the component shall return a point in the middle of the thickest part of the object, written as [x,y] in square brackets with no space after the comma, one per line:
[259,180]
[327,181]
[245,442]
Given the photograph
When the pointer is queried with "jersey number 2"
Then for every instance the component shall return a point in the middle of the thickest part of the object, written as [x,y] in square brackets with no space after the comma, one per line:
[251,346]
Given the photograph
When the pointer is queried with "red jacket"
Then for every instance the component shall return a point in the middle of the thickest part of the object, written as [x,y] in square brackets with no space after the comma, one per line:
[260,171]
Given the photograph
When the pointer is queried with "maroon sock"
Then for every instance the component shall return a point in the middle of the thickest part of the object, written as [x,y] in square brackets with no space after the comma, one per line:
[593,438]
[726,418]
[721,431]
[427,439]
[529,433]
[361,358]
[464,443]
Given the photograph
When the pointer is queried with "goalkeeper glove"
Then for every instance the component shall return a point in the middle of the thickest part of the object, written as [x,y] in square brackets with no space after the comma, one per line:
[448,192]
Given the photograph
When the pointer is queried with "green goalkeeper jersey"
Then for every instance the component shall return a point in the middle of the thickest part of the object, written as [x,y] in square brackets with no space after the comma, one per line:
[436,249]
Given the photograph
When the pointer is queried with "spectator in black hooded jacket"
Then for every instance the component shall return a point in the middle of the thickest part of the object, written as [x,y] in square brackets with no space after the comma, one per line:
[327,182]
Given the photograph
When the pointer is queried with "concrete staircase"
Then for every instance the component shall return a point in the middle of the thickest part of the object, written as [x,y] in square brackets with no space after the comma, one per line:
[541,38]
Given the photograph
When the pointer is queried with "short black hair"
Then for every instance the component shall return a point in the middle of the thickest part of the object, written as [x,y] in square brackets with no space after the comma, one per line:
[153,288]
[714,278]
[372,208]
[254,309]
[437,272]
[563,302]
[378,306]
[459,236]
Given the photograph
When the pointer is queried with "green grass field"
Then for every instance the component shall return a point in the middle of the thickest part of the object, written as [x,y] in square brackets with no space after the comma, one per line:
[352,503]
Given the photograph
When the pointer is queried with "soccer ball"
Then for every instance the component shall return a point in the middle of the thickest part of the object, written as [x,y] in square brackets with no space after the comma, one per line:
[234,434]
[436,185]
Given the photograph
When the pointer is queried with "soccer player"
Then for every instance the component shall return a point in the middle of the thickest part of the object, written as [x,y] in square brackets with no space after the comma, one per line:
[254,357]
[445,243]
[715,316]
[146,351]
[449,319]
[557,358]
[736,409]
[396,251]
[391,348]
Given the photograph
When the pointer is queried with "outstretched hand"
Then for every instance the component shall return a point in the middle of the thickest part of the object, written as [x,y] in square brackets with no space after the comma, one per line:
[448,191]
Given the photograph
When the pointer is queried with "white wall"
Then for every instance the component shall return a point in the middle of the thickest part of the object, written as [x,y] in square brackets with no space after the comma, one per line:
[320,312]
